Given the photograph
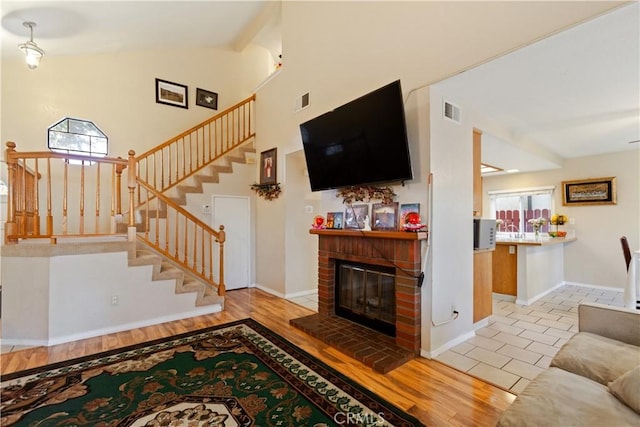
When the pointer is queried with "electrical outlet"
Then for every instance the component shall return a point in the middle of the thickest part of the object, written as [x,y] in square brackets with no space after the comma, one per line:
[512,249]
[114,300]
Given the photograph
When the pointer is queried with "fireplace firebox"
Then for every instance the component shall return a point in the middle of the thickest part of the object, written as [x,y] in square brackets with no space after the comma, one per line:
[365,294]
[382,270]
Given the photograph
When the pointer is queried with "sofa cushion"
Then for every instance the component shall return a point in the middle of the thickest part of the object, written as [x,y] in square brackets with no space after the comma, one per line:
[627,388]
[598,358]
[560,398]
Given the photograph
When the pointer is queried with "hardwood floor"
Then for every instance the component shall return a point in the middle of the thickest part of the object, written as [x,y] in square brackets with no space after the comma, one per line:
[432,392]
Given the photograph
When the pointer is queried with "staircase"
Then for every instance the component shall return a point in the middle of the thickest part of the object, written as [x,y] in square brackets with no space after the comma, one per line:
[140,198]
[163,269]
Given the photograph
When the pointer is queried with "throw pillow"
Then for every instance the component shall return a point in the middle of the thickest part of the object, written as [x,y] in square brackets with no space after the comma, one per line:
[627,388]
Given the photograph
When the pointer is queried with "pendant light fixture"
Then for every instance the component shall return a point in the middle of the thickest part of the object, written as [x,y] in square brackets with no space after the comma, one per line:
[32,52]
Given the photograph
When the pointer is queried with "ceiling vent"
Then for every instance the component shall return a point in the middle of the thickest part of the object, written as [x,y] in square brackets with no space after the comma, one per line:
[451,112]
[301,102]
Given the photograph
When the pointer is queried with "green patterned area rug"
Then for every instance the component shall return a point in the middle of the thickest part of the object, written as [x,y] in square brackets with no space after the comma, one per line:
[238,374]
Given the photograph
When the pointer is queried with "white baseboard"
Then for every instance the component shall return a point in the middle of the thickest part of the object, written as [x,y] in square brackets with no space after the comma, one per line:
[209,309]
[446,346]
[599,287]
[269,291]
[481,323]
[302,293]
[540,295]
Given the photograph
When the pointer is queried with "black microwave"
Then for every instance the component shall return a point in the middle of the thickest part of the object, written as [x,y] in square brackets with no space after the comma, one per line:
[484,233]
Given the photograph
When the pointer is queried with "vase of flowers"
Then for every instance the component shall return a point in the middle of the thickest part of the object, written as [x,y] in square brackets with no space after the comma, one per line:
[537,223]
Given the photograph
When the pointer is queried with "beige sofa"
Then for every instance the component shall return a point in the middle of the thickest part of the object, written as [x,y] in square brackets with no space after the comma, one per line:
[594,380]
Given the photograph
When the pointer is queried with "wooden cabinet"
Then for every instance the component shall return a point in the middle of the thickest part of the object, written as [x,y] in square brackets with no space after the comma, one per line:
[505,270]
[482,284]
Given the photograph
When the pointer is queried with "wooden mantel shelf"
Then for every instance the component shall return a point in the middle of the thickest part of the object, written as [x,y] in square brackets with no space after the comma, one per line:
[398,235]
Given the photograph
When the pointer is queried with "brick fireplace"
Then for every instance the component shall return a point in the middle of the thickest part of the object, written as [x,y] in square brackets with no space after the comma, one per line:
[398,250]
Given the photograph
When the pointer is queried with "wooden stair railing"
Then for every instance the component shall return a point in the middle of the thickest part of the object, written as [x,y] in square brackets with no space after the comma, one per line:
[175,233]
[182,156]
[41,203]
[92,191]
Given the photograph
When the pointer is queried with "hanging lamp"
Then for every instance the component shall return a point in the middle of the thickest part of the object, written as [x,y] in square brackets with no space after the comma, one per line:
[32,52]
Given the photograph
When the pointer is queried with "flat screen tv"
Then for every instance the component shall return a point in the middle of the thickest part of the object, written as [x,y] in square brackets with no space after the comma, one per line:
[361,142]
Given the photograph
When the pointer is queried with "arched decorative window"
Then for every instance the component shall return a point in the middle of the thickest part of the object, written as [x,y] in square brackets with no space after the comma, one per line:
[76,136]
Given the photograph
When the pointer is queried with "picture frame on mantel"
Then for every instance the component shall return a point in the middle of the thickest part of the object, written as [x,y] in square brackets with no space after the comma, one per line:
[385,216]
[170,93]
[592,191]
[356,216]
[268,166]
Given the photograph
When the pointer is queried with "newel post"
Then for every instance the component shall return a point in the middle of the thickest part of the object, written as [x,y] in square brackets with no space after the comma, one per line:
[221,238]
[10,227]
[131,184]
[118,189]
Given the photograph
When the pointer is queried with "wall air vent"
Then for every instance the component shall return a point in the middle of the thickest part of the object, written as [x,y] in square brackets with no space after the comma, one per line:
[301,102]
[451,111]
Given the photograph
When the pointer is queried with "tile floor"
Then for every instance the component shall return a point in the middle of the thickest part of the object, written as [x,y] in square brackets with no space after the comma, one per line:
[519,341]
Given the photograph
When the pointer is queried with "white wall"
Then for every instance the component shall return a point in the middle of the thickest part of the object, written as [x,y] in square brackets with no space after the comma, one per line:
[49,300]
[117,92]
[596,257]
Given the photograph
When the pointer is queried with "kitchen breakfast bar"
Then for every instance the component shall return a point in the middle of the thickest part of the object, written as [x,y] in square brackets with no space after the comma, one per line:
[528,268]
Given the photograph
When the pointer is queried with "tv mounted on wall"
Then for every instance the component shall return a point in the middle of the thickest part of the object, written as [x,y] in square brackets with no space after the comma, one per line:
[361,142]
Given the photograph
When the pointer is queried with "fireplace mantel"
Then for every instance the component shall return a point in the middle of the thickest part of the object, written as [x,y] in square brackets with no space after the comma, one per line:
[398,235]
[397,249]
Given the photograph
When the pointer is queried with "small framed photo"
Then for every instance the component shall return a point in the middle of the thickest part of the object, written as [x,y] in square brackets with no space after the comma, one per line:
[405,208]
[355,216]
[204,98]
[268,166]
[334,220]
[170,93]
[594,191]
[385,216]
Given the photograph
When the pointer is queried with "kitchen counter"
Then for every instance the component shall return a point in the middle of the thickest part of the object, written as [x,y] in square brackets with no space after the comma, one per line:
[528,268]
[541,241]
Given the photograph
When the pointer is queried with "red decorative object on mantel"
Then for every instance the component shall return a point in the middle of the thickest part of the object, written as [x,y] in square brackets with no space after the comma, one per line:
[412,222]
[318,223]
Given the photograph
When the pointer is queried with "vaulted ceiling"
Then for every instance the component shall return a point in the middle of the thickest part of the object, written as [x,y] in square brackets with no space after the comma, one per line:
[573,94]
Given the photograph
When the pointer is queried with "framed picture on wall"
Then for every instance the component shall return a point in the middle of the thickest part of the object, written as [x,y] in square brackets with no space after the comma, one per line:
[593,191]
[268,166]
[170,93]
[204,98]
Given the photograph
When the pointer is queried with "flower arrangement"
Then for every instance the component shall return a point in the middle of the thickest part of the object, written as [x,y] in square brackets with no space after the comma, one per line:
[537,223]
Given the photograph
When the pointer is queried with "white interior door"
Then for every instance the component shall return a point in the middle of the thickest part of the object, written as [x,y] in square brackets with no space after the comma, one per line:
[233,212]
